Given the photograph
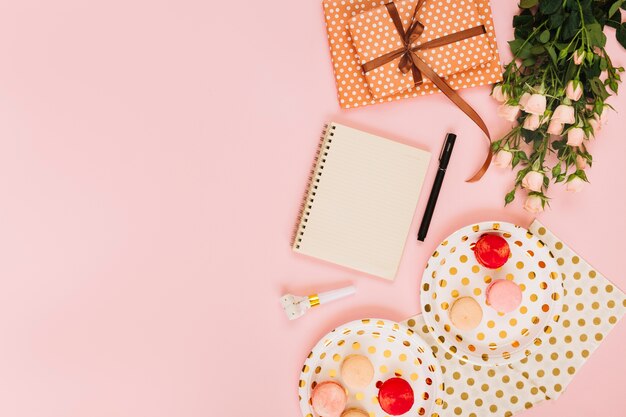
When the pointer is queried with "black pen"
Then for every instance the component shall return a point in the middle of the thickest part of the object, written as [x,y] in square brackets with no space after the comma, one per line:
[444,158]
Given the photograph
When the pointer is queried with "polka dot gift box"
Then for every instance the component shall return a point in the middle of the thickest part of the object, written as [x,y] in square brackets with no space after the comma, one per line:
[591,308]
[456,36]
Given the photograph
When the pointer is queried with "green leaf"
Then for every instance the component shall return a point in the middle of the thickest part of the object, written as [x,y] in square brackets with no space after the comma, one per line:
[556,20]
[544,36]
[620,33]
[537,50]
[598,88]
[552,54]
[527,4]
[528,62]
[510,196]
[615,7]
[556,170]
[515,45]
[549,6]
[596,36]
[571,26]
[581,174]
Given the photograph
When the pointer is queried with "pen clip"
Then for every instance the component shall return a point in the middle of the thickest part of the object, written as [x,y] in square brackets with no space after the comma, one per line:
[443,147]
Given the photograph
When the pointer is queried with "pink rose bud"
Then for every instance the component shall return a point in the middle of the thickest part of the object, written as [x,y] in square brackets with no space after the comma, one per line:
[564,114]
[595,124]
[502,159]
[555,127]
[508,112]
[575,136]
[499,95]
[574,185]
[533,204]
[533,181]
[523,100]
[581,162]
[536,104]
[574,90]
[579,56]
[532,122]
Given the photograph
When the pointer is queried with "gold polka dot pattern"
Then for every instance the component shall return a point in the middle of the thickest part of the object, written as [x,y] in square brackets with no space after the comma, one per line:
[352,86]
[393,349]
[591,308]
[452,272]
[473,390]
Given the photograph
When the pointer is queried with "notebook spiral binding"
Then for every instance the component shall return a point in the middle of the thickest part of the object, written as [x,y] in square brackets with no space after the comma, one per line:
[312,184]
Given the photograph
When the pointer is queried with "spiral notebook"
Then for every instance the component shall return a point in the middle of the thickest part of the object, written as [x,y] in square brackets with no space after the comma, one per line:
[360,200]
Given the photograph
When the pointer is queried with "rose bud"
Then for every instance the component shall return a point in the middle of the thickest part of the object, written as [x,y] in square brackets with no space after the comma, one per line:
[533,204]
[502,159]
[574,185]
[508,112]
[574,90]
[536,104]
[533,181]
[564,114]
[532,122]
[499,94]
[575,136]
[555,127]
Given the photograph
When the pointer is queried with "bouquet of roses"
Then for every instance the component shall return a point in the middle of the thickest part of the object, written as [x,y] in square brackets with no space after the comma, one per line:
[556,89]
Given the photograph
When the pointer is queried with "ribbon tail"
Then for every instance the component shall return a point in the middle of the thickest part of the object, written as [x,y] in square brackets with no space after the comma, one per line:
[461,104]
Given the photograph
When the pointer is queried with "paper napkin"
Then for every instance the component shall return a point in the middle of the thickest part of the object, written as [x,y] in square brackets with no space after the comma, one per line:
[591,307]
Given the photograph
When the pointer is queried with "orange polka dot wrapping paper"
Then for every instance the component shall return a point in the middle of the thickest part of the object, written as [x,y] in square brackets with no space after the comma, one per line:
[360,30]
[591,307]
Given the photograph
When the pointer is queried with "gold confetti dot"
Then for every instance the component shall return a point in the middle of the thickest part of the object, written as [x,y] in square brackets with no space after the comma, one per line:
[453,271]
[371,349]
[519,265]
[465,281]
[387,353]
[475,269]
[463,258]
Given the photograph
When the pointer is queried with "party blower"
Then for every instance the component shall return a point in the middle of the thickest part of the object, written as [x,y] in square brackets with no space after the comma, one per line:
[296,306]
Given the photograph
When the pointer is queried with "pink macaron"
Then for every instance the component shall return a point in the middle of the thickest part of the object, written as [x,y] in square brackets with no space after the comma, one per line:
[504,296]
[329,399]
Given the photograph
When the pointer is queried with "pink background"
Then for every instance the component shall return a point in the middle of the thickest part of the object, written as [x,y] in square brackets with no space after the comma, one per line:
[153,156]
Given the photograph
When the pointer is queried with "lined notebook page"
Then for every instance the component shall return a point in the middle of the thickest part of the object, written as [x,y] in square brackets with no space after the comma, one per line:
[364,203]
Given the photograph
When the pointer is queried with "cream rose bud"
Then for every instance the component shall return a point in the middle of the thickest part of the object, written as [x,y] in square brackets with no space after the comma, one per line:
[564,114]
[595,124]
[533,204]
[532,122]
[575,136]
[555,127]
[581,162]
[536,104]
[523,100]
[579,57]
[499,94]
[533,181]
[508,112]
[502,159]
[574,185]
[574,90]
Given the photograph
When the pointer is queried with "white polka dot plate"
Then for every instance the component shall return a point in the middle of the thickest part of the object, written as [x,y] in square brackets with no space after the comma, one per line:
[452,272]
[394,350]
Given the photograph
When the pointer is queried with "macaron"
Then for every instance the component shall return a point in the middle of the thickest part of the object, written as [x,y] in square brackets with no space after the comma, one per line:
[329,399]
[357,371]
[354,412]
[504,296]
[395,396]
[492,251]
[466,313]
